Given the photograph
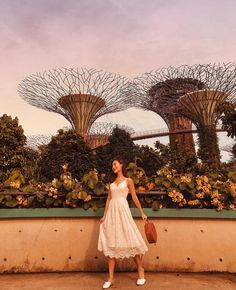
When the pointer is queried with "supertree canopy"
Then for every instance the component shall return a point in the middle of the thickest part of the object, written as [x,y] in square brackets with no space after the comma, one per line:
[188,94]
[81,95]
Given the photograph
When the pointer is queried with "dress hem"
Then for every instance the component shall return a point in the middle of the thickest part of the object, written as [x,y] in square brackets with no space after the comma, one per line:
[134,253]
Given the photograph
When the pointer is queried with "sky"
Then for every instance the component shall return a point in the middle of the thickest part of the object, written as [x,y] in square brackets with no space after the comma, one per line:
[128,37]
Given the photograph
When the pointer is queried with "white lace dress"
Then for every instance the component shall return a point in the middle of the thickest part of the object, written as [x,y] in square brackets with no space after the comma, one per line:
[119,235]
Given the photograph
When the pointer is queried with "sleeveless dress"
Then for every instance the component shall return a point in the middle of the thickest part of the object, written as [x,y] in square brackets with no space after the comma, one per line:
[119,235]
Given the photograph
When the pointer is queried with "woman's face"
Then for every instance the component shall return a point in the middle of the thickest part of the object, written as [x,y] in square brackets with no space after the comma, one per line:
[116,166]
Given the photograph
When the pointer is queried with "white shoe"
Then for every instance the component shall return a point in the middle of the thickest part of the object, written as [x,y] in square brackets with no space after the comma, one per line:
[107,284]
[141,281]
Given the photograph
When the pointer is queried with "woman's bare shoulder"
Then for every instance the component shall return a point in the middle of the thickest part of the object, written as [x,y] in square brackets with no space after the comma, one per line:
[129,180]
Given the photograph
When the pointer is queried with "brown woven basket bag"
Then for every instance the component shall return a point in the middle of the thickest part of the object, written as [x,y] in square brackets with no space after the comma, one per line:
[150,231]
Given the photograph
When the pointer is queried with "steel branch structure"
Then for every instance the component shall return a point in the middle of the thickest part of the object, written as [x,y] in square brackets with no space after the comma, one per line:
[81,95]
[228,148]
[35,141]
[187,93]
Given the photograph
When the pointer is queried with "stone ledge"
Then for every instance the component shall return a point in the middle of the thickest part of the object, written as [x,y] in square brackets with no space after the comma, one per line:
[70,244]
[80,212]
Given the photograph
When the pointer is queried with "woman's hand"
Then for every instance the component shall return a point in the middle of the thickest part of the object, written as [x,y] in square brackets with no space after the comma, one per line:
[102,219]
[144,217]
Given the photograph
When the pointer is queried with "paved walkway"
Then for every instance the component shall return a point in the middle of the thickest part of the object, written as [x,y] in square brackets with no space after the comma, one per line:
[124,280]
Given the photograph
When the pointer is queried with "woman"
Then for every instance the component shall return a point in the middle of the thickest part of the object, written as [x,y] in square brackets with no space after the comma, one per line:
[119,236]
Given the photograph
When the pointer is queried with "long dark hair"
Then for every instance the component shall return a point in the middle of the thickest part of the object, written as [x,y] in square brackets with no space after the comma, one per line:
[112,175]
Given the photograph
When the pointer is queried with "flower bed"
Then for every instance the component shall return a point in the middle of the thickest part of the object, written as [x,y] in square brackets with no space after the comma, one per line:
[166,189]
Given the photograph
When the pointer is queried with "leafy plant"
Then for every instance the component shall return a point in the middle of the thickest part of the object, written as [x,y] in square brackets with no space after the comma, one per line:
[217,189]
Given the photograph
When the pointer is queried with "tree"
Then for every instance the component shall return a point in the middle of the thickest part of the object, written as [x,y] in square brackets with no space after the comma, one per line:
[164,151]
[152,159]
[120,144]
[183,160]
[65,147]
[234,151]
[13,152]
[229,122]
[229,118]
[207,138]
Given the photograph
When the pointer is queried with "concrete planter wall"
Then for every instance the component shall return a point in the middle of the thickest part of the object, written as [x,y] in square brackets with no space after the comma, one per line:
[65,239]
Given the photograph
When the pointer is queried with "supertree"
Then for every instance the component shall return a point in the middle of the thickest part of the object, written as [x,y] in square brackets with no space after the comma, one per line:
[203,106]
[97,136]
[186,94]
[159,91]
[81,95]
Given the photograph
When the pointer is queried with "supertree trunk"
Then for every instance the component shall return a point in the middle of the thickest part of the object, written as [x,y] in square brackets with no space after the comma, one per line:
[82,108]
[181,123]
[208,151]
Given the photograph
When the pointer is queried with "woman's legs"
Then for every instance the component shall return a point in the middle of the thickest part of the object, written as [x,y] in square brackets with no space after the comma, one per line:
[138,262]
[111,267]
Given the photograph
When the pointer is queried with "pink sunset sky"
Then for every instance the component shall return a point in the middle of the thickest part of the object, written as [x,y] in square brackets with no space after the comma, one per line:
[128,37]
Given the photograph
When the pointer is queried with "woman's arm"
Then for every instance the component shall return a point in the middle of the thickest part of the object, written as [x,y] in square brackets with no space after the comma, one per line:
[135,198]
